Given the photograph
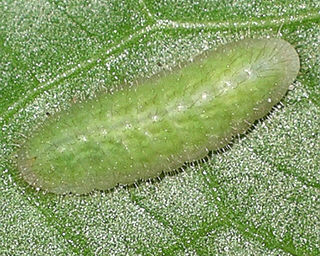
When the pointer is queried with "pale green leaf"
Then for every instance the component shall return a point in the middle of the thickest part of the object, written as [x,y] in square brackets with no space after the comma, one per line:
[260,197]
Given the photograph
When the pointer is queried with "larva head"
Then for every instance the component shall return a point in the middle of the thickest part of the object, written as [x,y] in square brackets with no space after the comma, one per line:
[161,123]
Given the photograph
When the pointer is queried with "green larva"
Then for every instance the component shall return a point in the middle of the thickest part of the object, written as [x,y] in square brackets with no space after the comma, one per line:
[140,131]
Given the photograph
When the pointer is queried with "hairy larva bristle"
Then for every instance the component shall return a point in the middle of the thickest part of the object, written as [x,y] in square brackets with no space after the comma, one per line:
[160,123]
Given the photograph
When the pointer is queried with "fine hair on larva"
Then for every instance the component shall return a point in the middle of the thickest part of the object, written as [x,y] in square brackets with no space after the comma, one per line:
[160,123]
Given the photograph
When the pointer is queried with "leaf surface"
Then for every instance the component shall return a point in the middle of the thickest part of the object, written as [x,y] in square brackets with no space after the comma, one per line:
[259,197]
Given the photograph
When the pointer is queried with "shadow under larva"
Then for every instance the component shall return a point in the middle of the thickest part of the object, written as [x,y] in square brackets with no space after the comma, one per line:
[161,123]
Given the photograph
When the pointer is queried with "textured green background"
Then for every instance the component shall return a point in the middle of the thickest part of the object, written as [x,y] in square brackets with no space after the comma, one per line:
[261,197]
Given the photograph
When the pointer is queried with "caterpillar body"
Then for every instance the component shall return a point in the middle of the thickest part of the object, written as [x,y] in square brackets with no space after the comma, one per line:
[140,131]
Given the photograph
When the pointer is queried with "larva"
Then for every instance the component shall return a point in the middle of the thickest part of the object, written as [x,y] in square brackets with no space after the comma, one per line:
[140,131]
